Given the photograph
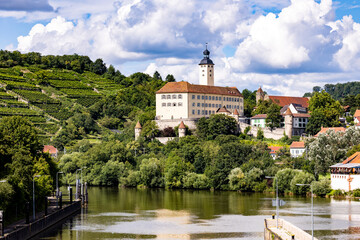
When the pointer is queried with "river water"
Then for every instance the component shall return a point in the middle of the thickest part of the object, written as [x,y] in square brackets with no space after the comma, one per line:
[114,213]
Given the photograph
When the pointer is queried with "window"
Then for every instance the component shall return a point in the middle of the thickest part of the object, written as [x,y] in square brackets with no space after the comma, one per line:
[198,112]
[206,97]
[206,104]
[174,104]
[163,104]
[180,96]
[203,70]
[163,97]
[202,112]
[198,97]
[202,104]
[174,96]
[213,98]
[198,104]
[202,97]
[213,105]
[193,112]
[203,75]
[168,96]
[193,104]
[206,112]
[216,98]
[169,104]
[210,75]
[193,96]
[210,70]
[180,104]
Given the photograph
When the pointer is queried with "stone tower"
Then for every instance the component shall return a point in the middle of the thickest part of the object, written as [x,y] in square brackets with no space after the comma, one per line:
[137,130]
[206,69]
[260,95]
[182,130]
[288,123]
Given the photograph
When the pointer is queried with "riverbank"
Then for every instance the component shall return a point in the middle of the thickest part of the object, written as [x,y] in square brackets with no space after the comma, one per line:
[21,230]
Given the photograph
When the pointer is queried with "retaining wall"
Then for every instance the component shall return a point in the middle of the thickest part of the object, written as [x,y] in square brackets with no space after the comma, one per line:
[30,230]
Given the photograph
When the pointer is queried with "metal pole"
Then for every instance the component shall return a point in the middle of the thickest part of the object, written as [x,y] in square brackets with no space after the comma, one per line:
[312,213]
[277,204]
[34,195]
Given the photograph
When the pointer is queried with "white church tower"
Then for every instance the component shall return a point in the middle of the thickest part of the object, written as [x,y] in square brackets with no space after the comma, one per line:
[206,69]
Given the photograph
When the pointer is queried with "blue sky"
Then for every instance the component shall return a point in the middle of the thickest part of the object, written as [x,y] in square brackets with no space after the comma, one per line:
[285,46]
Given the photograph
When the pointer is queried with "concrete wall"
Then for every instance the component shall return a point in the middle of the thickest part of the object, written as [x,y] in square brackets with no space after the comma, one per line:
[341,181]
[285,227]
[34,228]
[275,134]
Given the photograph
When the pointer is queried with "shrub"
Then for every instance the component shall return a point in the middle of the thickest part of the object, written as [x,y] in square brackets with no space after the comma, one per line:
[284,177]
[260,134]
[337,193]
[301,178]
[322,187]
[150,173]
[356,193]
[235,177]
[196,181]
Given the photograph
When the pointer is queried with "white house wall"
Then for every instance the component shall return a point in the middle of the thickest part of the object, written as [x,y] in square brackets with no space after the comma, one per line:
[341,181]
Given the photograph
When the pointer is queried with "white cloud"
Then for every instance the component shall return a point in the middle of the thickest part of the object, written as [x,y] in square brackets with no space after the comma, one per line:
[287,52]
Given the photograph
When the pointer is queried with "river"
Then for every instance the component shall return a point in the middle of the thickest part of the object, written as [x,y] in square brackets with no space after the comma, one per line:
[114,213]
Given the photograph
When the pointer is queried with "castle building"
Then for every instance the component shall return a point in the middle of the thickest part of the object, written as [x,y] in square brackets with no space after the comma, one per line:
[186,101]
[282,100]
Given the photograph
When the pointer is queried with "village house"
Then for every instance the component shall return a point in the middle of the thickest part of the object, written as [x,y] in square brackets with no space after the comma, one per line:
[51,150]
[274,151]
[259,120]
[297,149]
[357,117]
[346,175]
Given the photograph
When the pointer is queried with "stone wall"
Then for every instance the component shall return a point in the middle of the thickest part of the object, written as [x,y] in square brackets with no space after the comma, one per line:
[162,124]
[274,134]
[164,140]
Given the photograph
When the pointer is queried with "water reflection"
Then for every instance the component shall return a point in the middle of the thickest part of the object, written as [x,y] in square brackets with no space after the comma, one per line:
[178,214]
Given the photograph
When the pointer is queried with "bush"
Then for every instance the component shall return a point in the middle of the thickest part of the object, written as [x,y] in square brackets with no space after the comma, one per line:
[322,187]
[235,178]
[196,181]
[356,193]
[284,177]
[6,195]
[150,173]
[260,134]
[337,193]
[301,178]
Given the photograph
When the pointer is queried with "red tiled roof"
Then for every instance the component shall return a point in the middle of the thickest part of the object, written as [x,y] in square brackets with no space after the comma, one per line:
[50,149]
[288,111]
[357,113]
[236,112]
[355,158]
[297,145]
[259,116]
[185,87]
[222,110]
[274,149]
[182,125]
[303,115]
[282,100]
[138,125]
[336,129]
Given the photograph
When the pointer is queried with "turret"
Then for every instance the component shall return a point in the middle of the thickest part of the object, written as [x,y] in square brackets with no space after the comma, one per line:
[206,69]
[182,130]
[260,95]
[138,129]
[288,123]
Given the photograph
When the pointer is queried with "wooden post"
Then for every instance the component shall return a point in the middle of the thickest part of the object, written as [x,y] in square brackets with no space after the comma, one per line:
[86,193]
[27,212]
[46,206]
[1,223]
[71,194]
[60,200]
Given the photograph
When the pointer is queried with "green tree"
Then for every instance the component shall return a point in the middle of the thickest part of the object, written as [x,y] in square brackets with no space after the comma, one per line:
[325,111]
[218,124]
[170,78]
[301,178]
[273,118]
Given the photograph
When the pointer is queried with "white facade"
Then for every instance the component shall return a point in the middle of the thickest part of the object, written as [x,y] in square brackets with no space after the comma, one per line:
[300,122]
[296,152]
[194,105]
[346,182]
[258,122]
[206,74]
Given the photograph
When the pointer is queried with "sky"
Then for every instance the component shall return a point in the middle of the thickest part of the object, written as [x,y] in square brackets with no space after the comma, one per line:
[285,46]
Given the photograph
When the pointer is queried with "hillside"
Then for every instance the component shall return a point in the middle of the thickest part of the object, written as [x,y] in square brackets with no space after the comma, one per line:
[75,102]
